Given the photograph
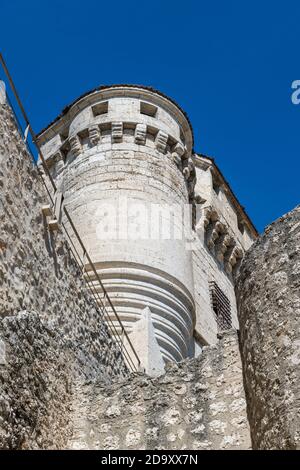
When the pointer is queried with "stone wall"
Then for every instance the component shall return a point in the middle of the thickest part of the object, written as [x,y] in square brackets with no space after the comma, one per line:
[118,173]
[222,236]
[198,404]
[268,294]
[51,332]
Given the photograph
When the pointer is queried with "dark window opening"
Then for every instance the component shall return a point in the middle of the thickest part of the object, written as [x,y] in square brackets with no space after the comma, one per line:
[216,187]
[241,227]
[148,109]
[221,307]
[100,108]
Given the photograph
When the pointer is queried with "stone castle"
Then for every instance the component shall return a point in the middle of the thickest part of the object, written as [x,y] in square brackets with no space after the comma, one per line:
[210,310]
[133,144]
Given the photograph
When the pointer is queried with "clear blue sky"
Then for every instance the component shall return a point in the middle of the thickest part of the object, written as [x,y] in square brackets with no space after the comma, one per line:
[229,64]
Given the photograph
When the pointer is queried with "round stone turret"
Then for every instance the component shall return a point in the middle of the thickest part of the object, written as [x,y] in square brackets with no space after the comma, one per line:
[120,156]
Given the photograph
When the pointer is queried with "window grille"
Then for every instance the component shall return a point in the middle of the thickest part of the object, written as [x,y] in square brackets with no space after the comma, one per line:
[221,307]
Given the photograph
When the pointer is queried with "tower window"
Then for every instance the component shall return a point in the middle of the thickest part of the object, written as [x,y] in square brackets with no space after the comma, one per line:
[100,108]
[148,109]
[221,307]
[241,227]
[182,138]
[216,187]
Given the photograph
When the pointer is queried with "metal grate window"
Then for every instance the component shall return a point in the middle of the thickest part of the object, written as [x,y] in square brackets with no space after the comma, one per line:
[221,306]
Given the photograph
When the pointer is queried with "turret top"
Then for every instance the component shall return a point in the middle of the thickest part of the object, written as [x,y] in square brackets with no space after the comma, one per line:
[127,103]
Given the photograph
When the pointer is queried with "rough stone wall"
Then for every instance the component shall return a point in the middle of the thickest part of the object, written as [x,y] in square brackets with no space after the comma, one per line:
[197,404]
[268,294]
[51,332]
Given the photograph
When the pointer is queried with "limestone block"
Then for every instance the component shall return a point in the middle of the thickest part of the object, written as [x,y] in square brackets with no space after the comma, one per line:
[161,141]
[235,255]
[140,134]
[215,233]
[75,145]
[58,161]
[145,343]
[94,135]
[179,149]
[116,131]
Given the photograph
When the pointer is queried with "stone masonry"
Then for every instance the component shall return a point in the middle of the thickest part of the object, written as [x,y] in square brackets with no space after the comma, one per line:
[51,331]
[268,294]
[64,383]
[197,404]
[122,156]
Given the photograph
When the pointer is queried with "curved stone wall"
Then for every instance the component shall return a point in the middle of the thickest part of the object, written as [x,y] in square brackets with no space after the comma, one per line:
[268,296]
[121,159]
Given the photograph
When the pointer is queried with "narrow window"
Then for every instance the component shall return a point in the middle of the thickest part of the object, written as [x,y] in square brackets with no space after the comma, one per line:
[241,226]
[216,187]
[220,306]
[148,109]
[182,138]
[100,108]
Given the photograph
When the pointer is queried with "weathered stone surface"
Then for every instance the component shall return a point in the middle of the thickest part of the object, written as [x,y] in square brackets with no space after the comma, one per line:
[146,346]
[124,191]
[268,294]
[51,332]
[197,404]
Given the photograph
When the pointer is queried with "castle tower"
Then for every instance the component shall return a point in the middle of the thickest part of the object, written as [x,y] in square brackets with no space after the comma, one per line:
[120,156]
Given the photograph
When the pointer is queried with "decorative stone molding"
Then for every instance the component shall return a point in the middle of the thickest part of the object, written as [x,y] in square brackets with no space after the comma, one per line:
[217,230]
[219,239]
[59,161]
[224,245]
[209,214]
[94,135]
[140,134]
[75,145]
[189,173]
[116,131]
[161,141]
[56,161]
[235,255]
[145,344]
[177,154]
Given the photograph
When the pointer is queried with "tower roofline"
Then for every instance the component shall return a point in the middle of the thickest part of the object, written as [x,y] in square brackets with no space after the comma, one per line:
[241,209]
[105,88]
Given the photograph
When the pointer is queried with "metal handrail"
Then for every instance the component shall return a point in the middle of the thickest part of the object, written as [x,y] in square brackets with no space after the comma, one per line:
[110,323]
